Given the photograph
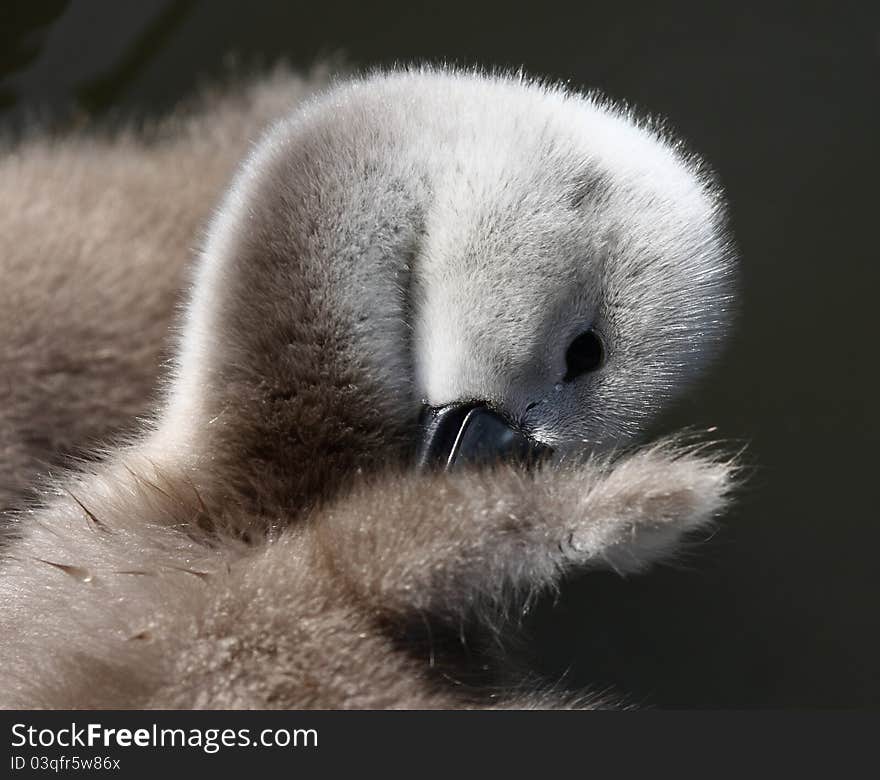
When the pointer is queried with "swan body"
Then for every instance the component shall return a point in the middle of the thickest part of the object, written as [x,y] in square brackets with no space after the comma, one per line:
[409,240]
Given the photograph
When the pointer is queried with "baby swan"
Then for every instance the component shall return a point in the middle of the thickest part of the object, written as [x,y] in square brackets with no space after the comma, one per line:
[414,267]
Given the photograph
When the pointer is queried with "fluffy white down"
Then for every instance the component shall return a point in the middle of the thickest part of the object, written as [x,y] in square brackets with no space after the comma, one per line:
[490,220]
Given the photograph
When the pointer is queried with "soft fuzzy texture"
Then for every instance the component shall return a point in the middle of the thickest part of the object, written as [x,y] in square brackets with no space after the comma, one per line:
[264,541]
[96,232]
[129,592]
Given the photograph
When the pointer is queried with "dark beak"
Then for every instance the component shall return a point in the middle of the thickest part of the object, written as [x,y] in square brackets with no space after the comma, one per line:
[472,433]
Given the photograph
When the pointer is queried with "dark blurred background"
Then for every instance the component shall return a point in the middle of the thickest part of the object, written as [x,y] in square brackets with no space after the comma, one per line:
[780,606]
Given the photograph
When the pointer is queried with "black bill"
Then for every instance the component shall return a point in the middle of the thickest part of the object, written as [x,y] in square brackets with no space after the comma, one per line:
[472,433]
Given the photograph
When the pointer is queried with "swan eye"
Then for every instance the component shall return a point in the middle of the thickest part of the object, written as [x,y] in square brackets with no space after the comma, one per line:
[585,354]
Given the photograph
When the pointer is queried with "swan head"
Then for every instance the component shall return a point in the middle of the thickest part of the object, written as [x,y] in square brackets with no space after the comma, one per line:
[469,242]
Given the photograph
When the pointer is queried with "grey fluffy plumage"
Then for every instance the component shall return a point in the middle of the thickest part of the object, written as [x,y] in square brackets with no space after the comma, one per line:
[262,542]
